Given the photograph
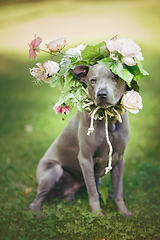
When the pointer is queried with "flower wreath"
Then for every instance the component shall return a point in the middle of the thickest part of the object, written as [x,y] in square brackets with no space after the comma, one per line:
[122,55]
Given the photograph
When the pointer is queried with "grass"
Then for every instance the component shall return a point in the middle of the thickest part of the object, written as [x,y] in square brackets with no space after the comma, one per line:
[24,104]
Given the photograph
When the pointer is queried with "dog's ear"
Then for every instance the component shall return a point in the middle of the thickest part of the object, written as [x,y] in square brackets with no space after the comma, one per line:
[80,72]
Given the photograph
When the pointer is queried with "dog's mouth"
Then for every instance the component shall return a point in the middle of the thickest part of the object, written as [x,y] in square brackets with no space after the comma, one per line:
[104,104]
[107,101]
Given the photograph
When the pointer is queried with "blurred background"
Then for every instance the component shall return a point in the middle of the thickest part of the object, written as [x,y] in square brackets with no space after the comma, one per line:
[80,21]
[28,124]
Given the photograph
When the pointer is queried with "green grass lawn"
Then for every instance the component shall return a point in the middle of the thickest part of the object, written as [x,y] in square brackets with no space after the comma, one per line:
[22,104]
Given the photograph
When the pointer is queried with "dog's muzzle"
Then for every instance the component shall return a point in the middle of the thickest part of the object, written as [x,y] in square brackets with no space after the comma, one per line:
[102,98]
[102,94]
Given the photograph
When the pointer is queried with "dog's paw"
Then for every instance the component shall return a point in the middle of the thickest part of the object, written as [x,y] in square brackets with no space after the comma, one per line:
[36,210]
[33,207]
[40,215]
[123,209]
[95,207]
[99,213]
[127,214]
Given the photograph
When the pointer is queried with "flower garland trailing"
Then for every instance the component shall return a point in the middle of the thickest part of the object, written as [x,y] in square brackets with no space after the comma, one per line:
[122,55]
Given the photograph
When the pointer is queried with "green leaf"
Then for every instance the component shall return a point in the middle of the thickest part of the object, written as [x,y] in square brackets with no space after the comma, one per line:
[106,62]
[117,68]
[134,85]
[145,73]
[104,50]
[57,79]
[54,80]
[69,78]
[61,81]
[92,53]
[123,73]
[79,106]
[136,72]
[71,81]
[103,192]
[140,66]
[79,62]
[64,98]
[128,76]
[64,69]
[73,59]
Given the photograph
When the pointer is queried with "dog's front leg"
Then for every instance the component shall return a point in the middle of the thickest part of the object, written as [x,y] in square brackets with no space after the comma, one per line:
[87,166]
[117,181]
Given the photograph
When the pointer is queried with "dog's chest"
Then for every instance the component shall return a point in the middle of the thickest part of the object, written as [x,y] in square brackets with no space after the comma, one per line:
[101,155]
[101,150]
[102,146]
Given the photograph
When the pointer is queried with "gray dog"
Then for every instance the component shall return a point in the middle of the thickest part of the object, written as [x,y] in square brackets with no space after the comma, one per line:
[74,160]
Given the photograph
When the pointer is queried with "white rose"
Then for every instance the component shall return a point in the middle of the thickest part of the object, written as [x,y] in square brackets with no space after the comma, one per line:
[127,48]
[75,51]
[57,44]
[71,52]
[51,67]
[132,101]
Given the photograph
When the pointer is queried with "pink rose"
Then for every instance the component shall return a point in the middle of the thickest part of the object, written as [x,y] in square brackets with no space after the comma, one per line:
[57,45]
[51,67]
[60,109]
[39,73]
[131,101]
[127,48]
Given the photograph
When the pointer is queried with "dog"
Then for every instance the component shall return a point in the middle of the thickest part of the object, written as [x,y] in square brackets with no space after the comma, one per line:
[75,160]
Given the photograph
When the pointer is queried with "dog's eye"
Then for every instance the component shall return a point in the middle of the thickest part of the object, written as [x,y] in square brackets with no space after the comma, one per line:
[93,80]
[115,78]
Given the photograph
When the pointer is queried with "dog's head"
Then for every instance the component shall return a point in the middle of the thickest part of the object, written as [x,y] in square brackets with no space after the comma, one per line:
[104,87]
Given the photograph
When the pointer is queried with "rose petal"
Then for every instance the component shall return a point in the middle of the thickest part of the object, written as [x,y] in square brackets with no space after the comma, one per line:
[139,56]
[60,109]
[66,110]
[51,67]
[129,61]
[57,109]
[134,111]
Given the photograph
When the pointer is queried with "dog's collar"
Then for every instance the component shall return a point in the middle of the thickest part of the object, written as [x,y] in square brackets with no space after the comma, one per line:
[98,112]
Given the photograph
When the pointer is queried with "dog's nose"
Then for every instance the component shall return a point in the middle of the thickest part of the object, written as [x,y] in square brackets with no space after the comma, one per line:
[102,93]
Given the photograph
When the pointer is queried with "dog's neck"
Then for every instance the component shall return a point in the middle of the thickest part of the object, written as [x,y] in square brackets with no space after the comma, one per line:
[98,112]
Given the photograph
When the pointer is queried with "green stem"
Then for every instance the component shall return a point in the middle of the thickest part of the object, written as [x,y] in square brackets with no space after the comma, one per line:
[57,53]
[49,52]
